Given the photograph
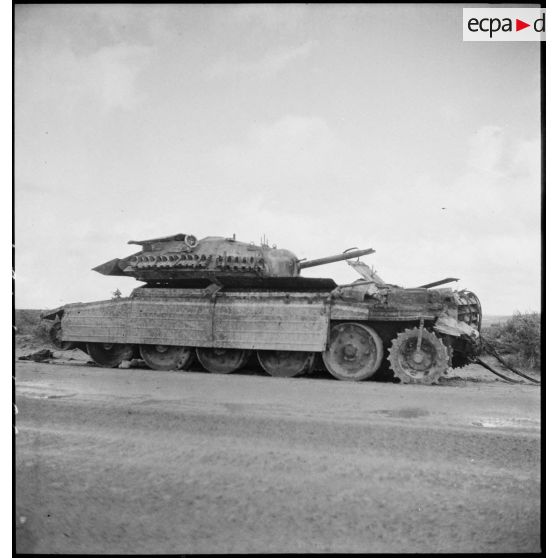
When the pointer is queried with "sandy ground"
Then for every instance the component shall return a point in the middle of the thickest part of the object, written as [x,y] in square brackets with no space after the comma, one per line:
[137,461]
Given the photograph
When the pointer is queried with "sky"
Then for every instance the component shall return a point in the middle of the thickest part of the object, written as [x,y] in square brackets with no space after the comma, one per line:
[322,127]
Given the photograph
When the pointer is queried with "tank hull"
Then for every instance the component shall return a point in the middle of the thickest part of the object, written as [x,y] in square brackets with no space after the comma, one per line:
[195,318]
[283,322]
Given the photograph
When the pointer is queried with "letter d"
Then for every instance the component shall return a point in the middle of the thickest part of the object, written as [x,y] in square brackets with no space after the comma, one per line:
[539,23]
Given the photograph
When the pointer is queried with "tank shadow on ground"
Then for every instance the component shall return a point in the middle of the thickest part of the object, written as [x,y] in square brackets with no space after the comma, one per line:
[318,372]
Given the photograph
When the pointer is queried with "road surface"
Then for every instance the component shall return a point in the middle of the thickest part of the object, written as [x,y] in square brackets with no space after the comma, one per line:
[137,461]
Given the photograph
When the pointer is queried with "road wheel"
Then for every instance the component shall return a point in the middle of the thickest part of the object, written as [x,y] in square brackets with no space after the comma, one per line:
[413,365]
[109,355]
[222,361]
[355,352]
[166,357]
[55,335]
[285,364]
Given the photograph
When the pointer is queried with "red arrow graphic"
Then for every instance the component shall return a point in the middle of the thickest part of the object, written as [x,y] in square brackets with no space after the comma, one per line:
[519,25]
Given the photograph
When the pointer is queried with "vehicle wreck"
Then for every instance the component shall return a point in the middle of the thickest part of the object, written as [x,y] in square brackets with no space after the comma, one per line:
[219,299]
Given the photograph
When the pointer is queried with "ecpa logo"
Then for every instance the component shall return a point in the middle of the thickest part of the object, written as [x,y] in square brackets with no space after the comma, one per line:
[504,24]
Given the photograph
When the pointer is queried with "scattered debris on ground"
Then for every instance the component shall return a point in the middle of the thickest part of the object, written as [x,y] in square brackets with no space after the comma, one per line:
[38,356]
[134,363]
[49,356]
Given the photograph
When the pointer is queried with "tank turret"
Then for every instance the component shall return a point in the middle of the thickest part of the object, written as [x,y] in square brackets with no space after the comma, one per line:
[182,257]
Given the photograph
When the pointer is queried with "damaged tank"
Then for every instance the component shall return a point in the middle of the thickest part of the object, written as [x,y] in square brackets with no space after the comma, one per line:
[221,300]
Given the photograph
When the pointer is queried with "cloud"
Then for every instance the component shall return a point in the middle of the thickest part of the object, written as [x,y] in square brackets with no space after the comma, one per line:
[501,181]
[269,65]
[294,156]
[489,231]
[451,113]
[268,16]
[66,70]
[112,72]
[486,148]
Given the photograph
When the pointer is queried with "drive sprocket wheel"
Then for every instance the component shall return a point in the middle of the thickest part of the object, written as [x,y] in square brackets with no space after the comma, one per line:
[459,360]
[423,366]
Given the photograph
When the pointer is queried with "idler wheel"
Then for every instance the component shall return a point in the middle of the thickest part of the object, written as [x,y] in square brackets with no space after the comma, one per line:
[414,365]
[110,355]
[285,364]
[166,357]
[55,335]
[355,352]
[222,361]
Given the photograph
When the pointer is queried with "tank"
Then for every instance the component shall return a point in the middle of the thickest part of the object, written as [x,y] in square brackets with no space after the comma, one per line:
[219,301]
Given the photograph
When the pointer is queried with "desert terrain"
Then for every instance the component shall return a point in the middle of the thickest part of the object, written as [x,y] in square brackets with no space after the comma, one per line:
[138,461]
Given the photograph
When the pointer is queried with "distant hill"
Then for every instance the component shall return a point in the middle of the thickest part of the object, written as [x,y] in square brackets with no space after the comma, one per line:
[489,320]
[27,321]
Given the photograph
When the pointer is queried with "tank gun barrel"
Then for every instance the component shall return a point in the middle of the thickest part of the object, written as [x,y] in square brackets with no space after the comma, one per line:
[337,258]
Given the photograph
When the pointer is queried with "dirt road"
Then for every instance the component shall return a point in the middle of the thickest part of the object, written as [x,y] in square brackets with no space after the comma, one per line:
[137,461]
